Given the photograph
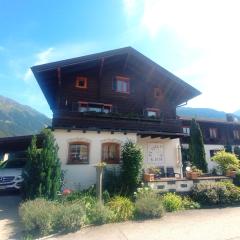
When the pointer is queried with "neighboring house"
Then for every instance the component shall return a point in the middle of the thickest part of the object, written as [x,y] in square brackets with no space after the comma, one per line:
[217,134]
[102,100]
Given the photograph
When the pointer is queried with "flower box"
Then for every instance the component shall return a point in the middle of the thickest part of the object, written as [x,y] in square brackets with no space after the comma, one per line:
[192,175]
[148,177]
[231,173]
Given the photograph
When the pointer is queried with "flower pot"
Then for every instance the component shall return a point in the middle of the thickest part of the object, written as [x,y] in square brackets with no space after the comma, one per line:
[231,173]
[192,175]
[148,177]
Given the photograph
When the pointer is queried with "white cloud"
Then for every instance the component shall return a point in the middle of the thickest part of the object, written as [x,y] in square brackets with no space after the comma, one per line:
[58,53]
[130,7]
[211,28]
[41,58]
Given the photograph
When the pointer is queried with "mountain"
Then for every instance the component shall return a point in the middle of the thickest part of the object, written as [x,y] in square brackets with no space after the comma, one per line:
[205,113]
[17,119]
[237,113]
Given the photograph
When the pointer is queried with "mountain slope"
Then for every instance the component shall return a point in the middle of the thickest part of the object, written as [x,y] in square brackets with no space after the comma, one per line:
[237,112]
[201,113]
[17,119]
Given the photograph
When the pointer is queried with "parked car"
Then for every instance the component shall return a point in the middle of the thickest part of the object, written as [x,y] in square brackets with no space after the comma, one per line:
[11,174]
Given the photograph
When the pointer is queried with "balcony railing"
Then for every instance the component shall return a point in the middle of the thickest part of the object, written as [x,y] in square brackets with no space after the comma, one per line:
[114,122]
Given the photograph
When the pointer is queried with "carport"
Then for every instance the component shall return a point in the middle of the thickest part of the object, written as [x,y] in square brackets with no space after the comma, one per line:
[13,145]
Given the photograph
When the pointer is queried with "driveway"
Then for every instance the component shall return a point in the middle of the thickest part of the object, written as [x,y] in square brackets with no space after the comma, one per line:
[208,224]
[9,221]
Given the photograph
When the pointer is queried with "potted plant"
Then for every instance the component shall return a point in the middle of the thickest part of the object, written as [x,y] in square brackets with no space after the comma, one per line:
[150,174]
[193,173]
[232,170]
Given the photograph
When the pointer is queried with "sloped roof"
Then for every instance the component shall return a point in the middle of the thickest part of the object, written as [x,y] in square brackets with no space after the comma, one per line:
[44,68]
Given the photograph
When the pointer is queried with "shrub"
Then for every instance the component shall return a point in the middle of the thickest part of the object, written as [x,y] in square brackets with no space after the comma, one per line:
[172,202]
[145,192]
[39,217]
[216,193]
[99,214]
[71,216]
[188,203]
[236,180]
[132,158]
[112,181]
[122,208]
[42,174]
[225,160]
[148,208]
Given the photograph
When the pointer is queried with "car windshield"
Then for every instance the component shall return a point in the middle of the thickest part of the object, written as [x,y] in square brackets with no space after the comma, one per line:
[14,164]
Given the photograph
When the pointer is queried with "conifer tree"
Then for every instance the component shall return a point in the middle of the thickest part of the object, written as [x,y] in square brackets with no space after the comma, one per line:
[132,159]
[196,147]
[42,174]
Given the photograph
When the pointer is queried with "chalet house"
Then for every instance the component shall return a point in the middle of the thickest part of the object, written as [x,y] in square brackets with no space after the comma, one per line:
[102,100]
[217,134]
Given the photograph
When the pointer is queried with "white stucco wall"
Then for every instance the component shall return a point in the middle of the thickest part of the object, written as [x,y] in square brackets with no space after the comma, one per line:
[80,176]
[170,151]
[84,175]
[207,148]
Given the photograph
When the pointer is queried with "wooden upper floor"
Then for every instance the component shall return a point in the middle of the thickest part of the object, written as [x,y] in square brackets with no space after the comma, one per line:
[118,83]
[215,132]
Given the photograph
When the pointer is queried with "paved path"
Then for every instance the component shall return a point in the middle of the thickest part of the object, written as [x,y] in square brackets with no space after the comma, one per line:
[206,224]
[9,221]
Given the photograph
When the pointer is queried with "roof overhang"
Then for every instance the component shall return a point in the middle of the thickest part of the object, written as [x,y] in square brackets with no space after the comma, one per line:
[47,74]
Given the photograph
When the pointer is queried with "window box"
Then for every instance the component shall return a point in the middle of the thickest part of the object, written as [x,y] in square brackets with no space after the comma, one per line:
[148,177]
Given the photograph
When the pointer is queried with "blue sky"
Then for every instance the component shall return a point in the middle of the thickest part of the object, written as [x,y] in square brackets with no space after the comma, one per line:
[196,40]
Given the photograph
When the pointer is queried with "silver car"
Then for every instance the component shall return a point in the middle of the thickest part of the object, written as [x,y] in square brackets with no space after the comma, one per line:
[11,174]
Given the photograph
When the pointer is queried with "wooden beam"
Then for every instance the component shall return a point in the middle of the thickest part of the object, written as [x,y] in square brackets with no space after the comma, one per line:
[100,77]
[59,76]
[125,63]
[155,136]
[101,67]
[144,136]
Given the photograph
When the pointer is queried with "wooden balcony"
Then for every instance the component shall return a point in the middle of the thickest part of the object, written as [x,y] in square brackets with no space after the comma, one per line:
[90,121]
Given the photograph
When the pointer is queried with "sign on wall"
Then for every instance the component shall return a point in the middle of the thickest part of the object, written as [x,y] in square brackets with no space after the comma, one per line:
[155,154]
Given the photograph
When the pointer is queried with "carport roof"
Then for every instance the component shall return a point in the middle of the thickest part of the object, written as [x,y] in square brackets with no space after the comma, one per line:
[17,143]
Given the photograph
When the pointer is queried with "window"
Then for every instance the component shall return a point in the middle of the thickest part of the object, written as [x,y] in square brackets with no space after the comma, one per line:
[186,130]
[213,133]
[95,107]
[152,112]
[121,84]
[83,107]
[111,153]
[158,93]
[107,108]
[78,153]
[236,134]
[92,107]
[81,82]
